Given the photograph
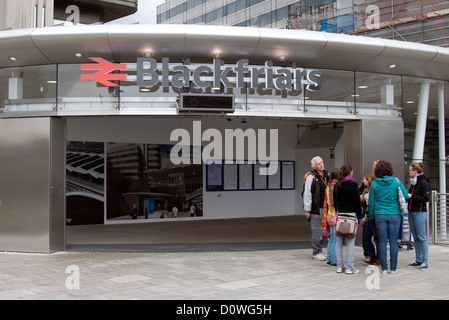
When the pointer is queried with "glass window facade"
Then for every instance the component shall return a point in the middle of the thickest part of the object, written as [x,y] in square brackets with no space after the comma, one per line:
[335,96]
[77,94]
[411,92]
[377,94]
[59,88]
[28,89]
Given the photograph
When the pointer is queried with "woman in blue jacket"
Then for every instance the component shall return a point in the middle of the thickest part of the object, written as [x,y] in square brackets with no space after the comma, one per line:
[383,206]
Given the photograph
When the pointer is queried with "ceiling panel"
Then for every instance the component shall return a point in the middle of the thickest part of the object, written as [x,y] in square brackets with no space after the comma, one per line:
[346,52]
[59,44]
[131,41]
[298,46]
[19,44]
[438,67]
[124,43]
[232,43]
[408,58]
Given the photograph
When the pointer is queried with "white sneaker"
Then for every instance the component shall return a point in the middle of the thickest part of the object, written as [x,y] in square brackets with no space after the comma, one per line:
[319,257]
[340,270]
[392,272]
[352,271]
[384,272]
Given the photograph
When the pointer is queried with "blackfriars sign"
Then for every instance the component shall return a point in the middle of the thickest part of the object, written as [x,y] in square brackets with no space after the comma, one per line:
[150,73]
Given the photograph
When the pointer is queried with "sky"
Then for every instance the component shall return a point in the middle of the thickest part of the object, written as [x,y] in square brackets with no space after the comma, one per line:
[146,13]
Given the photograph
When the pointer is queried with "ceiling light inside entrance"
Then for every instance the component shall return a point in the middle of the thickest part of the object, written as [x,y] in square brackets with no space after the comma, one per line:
[282,58]
[217,54]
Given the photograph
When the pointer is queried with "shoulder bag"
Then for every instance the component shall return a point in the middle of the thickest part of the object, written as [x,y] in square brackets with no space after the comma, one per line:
[346,225]
[401,199]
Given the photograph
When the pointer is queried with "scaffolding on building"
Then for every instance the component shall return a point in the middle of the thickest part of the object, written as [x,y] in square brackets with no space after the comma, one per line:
[423,21]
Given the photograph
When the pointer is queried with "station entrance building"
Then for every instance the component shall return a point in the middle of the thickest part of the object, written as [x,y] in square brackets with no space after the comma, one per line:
[134,123]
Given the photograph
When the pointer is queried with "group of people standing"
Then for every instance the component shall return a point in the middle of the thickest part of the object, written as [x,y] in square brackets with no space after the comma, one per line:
[376,207]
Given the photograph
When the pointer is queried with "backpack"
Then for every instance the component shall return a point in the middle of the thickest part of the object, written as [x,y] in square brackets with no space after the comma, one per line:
[304,184]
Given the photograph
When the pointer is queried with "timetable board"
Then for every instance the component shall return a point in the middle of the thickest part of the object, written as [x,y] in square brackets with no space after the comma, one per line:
[246,176]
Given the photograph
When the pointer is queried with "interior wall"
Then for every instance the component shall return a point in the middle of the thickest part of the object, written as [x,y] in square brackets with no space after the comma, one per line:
[359,143]
[328,143]
[354,149]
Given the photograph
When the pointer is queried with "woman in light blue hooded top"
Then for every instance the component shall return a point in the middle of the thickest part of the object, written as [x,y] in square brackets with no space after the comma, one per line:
[383,206]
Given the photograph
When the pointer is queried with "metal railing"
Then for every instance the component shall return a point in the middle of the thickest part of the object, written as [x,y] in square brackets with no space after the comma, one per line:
[438,225]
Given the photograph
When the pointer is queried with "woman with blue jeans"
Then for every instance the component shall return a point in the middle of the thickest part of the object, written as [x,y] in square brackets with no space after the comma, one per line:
[346,200]
[383,206]
[419,195]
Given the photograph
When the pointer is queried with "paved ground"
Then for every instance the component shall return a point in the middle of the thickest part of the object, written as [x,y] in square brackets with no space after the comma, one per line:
[230,272]
[270,229]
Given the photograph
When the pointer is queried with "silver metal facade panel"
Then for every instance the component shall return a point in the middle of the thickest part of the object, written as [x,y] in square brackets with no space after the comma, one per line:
[383,140]
[370,140]
[26,219]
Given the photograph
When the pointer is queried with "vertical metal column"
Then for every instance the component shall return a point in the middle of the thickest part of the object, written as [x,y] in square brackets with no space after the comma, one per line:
[421,120]
[432,221]
[442,160]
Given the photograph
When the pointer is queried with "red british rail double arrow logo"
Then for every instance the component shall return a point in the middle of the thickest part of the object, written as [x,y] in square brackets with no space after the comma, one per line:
[103,75]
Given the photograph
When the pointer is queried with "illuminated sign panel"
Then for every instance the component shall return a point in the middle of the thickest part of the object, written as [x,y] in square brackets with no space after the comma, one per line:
[206,102]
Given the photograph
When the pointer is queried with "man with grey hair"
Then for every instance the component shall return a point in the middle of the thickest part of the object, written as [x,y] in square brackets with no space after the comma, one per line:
[314,195]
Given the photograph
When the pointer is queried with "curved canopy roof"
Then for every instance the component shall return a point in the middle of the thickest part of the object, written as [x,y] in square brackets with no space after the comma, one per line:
[309,49]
